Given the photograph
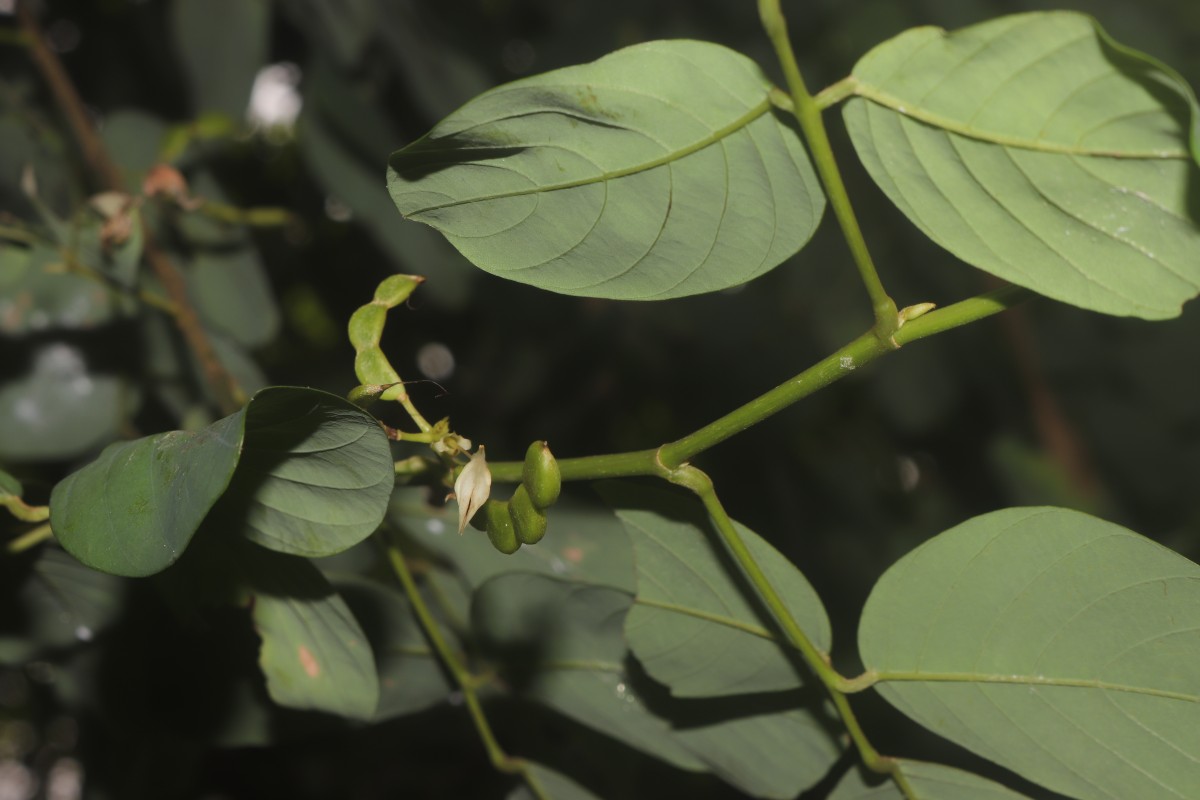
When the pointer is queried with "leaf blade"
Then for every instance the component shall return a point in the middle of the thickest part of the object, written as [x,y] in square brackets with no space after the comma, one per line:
[1012,620]
[601,181]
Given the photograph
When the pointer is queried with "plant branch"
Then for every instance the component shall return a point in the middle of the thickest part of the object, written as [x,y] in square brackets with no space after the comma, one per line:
[31,538]
[466,681]
[106,173]
[858,353]
[808,114]
[701,485]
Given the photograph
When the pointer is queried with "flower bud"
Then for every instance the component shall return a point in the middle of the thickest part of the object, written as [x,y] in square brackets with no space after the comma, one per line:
[472,488]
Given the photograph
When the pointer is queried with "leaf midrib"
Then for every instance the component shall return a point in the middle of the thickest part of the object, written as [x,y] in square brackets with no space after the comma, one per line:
[675,155]
[876,95]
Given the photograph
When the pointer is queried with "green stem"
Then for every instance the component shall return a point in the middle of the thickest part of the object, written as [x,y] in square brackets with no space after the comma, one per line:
[858,353]
[808,114]
[32,538]
[701,485]
[466,681]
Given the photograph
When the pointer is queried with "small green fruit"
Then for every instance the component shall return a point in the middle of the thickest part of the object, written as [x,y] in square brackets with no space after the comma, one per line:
[529,521]
[500,528]
[540,475]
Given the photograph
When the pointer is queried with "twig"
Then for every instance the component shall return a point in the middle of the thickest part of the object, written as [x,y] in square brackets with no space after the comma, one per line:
[108,176]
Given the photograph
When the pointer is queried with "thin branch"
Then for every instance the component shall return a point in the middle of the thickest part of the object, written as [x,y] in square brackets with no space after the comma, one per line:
[104,170]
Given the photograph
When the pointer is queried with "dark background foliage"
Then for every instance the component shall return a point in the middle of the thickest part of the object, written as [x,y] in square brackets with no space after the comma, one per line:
[1047,405]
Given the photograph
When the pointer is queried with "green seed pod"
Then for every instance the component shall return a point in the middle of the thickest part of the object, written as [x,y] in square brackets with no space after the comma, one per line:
[529,521]
[540,476]
[500,529]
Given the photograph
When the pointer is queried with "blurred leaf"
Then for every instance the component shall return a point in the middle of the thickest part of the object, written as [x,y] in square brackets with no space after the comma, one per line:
[1037,149]
[25,144]
[59,409]
[231,291]
[657,171]
[350,174]
[411,678]
[133,138]
[313,478]
[62,603]
[222,44]
[341,28]
[37,293]
[1054,643]
[930,781]
[554,784]
[696,626]
[314,654]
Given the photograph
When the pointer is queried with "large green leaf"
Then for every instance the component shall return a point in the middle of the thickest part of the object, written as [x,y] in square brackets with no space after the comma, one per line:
[696,626]
[313,475]
[314,654]
[931,782]
[566,640]
[1035,148]
[657,171]
[233,294]
[552,784]
[1059,645]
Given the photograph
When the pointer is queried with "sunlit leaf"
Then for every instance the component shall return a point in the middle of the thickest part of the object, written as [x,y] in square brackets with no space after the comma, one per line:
[930,781]
[1054,643]
[314,654]
[696,625]
[1035,148]
[657,171]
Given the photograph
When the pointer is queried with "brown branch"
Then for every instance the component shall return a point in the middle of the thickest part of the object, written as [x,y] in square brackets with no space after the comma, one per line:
[108,176]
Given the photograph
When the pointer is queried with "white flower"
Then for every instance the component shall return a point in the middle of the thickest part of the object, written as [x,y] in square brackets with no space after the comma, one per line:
[472,488]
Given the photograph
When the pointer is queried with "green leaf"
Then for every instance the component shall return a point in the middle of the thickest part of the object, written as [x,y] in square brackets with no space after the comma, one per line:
[313,477]
[222,44]
[1035,148]
[314,654]
[930,781]
[233,294]
[1054,643]
[62,603]
[60,409]
[567,640]
[584,544]
[411,678]
[696,626]
[658,171]
[575,632]
[134,509]
[37,293]
[553,784]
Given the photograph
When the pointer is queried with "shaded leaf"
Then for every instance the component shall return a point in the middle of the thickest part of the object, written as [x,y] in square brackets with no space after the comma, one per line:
[1035,148]
[411,678]
[62,603]
[553,784]
[1054,643]
[315,475]
[314,478]
[563,644]
[931,782]
[657,171]
[314,654]
[696,626]
[38,293]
